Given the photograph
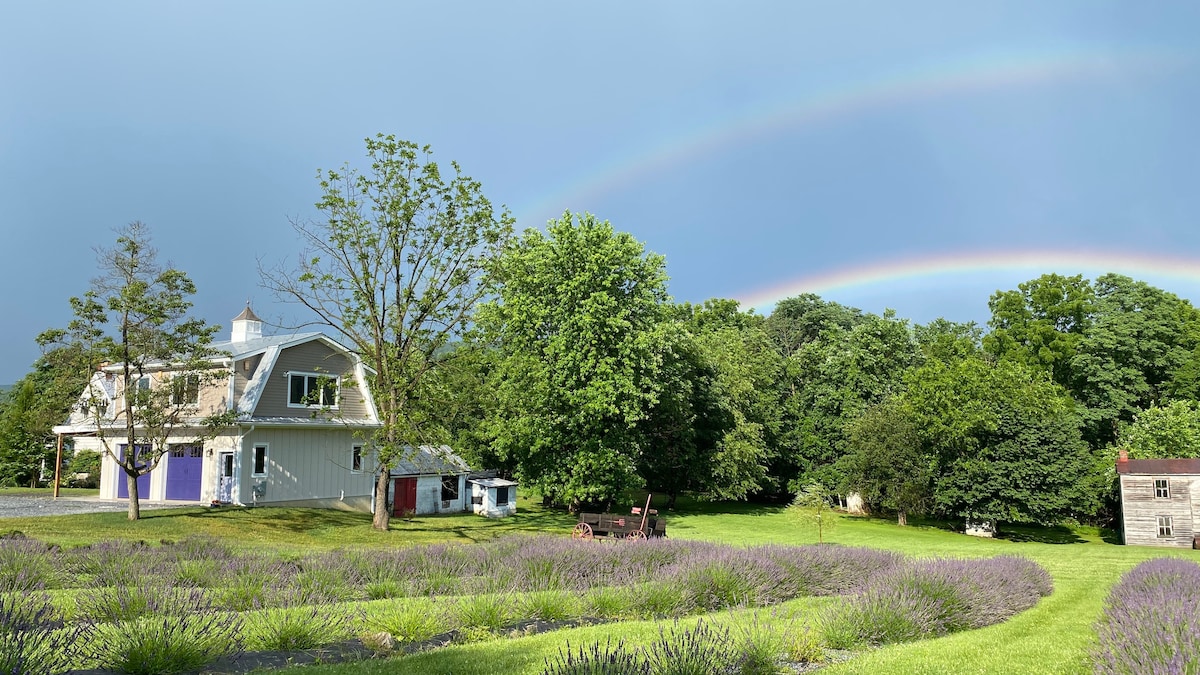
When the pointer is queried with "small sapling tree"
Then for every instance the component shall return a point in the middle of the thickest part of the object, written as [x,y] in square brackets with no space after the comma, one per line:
[133,325]
[813,506]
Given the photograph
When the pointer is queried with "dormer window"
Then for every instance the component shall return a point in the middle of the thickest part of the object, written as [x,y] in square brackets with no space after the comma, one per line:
[141,390]
[312,390]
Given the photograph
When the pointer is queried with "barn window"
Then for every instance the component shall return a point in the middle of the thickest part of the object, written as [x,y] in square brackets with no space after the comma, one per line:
[312,390]
[449,488]
[185,389]
[260,460]
[1165,527]
[1162,488]
[356,459]
[501,495]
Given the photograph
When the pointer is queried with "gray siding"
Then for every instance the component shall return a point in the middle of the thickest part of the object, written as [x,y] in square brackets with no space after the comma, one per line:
[1141,510]
[311,357]
[304,465]
[244,372]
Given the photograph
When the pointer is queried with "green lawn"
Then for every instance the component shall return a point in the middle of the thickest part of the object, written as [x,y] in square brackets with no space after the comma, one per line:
[48,492]
[1053,637]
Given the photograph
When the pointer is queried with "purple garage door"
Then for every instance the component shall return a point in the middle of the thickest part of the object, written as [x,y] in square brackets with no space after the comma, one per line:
[183,472]
[143,481]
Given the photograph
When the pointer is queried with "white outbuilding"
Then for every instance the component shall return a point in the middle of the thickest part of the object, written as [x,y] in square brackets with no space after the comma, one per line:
[493,497]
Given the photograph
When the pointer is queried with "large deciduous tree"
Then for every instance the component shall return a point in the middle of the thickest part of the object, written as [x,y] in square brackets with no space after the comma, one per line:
[38,401]
[579,326]
[136,317]
[1164,432]
[395,265]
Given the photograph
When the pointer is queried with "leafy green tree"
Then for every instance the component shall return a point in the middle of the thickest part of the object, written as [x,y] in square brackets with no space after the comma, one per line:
[579,324]
[40,400]
[830,381]
[1165,432]
[1006,441]
[1140,337]
[948,341]
[136,317]
[797,321]
[1041,323]
[887,463]
[396,265]
[712,430]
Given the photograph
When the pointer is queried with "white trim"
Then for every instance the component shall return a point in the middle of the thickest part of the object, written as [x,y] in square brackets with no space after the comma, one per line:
[362,459]
[266,447]
[337,389]
[254,388]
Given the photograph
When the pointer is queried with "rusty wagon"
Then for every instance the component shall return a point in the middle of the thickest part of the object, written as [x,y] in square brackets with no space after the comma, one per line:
[641,523]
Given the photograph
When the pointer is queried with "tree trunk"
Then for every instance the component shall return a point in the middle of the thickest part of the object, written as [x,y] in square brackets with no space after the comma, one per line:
[671,500]
[382,515]
[135,509]
[901,518]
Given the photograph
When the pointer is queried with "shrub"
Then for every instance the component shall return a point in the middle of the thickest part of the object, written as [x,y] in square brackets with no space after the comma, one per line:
[599,659]
[607,603]
[410,622]
[549,605]
[482,611]
[27,565]
[33,638]
[167,644]
[1151,621]
[299,627]
[930,598]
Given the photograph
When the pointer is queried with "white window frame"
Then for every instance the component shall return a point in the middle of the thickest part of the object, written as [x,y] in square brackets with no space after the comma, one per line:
[337,388]
[1163,492]
[266,448]
[356,452]
[1166,527]
[189,404]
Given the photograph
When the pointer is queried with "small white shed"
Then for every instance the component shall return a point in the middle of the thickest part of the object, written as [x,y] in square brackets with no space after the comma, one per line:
[493,497]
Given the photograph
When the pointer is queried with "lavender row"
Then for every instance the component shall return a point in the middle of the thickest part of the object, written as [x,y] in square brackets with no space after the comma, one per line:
[1151,621]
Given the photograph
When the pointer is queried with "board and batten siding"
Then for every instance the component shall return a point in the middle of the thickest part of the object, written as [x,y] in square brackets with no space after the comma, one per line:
[306,465]
[1141,510]
[311,357]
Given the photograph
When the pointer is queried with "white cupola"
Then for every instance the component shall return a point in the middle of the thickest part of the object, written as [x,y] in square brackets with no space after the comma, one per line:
[246,326]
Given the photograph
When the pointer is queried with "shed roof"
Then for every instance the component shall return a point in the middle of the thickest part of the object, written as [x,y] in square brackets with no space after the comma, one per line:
[429,460]
[492,482]
[1159,466]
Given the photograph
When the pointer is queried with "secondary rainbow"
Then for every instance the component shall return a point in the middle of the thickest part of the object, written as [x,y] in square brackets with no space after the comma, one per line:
[1151,267]
[969,73]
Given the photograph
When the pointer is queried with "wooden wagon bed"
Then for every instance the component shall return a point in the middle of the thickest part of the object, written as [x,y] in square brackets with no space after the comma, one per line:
[640,524]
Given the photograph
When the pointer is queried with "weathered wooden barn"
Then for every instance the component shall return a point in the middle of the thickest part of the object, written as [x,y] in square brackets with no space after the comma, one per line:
[1160,501]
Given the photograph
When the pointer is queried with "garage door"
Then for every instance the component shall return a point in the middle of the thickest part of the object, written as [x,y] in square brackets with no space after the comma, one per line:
[184,466]
[143,481]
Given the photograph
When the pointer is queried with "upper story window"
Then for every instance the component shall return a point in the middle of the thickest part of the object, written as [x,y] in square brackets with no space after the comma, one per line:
[312,390]
[185,390]
[1162,488]
[140,386]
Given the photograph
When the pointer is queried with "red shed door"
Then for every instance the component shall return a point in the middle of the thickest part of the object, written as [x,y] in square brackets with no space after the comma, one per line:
[405,500]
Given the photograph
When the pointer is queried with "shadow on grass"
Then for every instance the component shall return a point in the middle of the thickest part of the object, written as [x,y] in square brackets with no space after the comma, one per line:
[1041,535]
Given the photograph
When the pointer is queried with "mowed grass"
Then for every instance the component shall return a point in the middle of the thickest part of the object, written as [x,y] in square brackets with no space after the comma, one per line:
[1053,637]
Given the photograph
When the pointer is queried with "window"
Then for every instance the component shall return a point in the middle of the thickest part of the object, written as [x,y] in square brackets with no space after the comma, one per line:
[1162,488]
[501,495]
[312,390]
[185,389]
[141,390]
[1165,527]
[449,488]
[187,450]
[260,460]
[356,459]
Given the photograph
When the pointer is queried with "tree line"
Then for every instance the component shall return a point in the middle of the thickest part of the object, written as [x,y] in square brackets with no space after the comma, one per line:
[557,355]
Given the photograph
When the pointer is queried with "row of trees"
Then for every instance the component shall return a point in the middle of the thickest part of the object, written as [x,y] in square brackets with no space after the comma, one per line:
[558,355]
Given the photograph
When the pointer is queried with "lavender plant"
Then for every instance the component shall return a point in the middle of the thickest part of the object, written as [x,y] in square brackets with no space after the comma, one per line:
[33,638]
[599,659]
[163,645]
[1151,621]
[28,565]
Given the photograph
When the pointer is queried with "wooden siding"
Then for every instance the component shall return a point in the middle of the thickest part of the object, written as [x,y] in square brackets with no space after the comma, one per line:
[304,464]
[212,400]
[311,357]
[1141,510]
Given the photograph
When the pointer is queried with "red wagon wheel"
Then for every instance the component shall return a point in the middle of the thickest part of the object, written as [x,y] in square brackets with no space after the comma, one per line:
[582,531]
[636,534]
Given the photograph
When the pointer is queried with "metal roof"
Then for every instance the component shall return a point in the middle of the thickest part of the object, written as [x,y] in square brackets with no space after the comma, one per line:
[430,460]
[247,315]
[240,350]
[492,482]
[1159,466]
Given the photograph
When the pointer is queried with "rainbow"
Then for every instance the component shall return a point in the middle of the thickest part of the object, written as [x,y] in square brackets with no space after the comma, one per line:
[1153,268]
[970,73]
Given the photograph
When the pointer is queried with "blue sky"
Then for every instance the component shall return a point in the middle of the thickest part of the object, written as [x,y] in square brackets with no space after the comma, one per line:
[750,143]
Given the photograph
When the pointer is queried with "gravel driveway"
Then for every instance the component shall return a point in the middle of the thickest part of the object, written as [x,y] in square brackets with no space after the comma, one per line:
[23,507]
